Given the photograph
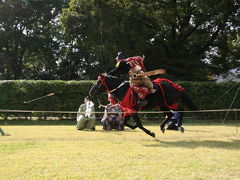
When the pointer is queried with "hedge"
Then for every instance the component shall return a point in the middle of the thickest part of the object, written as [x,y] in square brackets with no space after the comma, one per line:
[68,95]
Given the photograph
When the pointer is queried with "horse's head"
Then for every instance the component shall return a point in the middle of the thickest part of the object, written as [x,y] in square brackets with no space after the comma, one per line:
[104,83]
[98,87]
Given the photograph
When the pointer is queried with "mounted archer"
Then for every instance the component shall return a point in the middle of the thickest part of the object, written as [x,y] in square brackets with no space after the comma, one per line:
[166,98]
[139,80]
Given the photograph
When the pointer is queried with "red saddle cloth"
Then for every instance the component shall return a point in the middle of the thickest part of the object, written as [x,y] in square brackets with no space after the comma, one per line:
[128,103]
[176,86]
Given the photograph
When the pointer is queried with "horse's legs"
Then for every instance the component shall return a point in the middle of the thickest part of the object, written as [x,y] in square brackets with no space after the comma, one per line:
[181,116]
[126,119]
[167,118]
[139,124]
[162,125]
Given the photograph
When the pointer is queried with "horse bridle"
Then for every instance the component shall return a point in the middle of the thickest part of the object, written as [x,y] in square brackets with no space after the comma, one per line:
[102,79]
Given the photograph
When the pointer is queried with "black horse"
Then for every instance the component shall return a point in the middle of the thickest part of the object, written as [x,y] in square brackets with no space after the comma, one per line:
[122,68]
[165,96]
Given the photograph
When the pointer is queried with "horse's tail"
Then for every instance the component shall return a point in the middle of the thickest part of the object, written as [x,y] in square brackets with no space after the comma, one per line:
[186,100]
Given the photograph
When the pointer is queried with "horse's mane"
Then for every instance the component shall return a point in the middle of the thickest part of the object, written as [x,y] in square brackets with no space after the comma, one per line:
[116,80]
[113,77]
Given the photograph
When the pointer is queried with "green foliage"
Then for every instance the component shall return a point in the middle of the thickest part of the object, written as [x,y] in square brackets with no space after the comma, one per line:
[30,39]
[174,35]
[68,95]
[210,95]
[77,39]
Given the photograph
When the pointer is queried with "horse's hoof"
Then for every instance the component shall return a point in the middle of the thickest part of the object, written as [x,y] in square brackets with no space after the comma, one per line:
[152,134]
[181,129]
[163,130]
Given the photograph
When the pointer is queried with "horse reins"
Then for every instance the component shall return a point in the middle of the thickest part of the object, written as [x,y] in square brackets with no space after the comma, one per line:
[102,79]
[119,86]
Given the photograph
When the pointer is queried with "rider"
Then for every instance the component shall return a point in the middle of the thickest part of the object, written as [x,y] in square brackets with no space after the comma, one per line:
[133,66]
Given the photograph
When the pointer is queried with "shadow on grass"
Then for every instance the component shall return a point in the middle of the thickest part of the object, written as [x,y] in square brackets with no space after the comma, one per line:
[198,131]
[234,144]
[45,122]
[37,122]
[74,122]
[113,131]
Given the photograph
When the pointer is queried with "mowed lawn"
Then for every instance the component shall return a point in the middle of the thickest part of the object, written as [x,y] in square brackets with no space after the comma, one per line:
[62,152]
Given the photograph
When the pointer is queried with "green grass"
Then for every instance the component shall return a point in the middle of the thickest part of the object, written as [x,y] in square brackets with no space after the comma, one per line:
[62,152]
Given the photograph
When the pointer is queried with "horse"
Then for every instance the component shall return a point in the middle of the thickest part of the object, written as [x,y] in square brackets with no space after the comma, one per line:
[164,99]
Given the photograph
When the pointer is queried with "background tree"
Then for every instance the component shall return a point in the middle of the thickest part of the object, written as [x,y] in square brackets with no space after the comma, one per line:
[30,39]
[172,34]
[77,39]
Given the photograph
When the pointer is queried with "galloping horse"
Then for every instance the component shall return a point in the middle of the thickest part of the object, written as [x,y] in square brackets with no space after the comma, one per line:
[165,96]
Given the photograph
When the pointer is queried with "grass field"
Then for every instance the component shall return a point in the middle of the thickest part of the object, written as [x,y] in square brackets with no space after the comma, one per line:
[62,152]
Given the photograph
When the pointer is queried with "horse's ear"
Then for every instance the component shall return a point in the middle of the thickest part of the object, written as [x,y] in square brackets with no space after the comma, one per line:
[102,75]
[99,76]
